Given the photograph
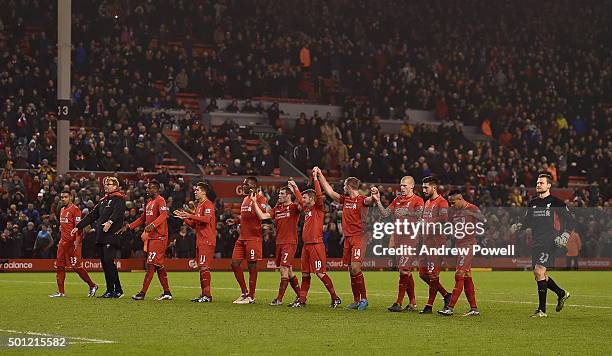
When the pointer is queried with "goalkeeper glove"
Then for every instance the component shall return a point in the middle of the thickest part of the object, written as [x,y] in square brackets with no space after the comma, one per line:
[561,240]
[515,227]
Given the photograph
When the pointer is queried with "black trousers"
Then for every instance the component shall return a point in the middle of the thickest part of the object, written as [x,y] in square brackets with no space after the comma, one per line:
[107,255]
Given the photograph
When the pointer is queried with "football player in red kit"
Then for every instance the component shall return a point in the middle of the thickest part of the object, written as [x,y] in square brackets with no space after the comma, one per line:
[407,206]
[435,211]
[354,209]
[249,243]
[155,238]
[204,222]
[462,214]
[69,247]
[285,214]
[314,257]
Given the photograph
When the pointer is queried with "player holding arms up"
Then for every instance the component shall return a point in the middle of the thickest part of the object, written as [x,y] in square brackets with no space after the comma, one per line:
[435,211]
[204,222]
[407,206]
[69,247]
[549,218]
[155,238]
[353,205]
[286,215]
[314,259]
[463,213]
[249,244]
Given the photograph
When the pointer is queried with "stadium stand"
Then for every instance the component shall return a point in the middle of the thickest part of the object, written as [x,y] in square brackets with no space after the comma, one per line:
[541,93]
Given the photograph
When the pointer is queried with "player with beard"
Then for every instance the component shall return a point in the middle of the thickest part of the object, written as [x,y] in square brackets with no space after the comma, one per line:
[549,220]
[435,213]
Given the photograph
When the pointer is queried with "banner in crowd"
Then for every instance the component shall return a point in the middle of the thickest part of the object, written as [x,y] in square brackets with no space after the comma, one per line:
[335,264]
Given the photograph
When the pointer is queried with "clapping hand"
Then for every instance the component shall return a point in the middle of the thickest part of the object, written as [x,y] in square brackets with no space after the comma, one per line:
[106,226]
[181,214]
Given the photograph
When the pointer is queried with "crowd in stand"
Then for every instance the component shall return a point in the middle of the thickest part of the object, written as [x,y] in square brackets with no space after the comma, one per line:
[540,91]
[29,226]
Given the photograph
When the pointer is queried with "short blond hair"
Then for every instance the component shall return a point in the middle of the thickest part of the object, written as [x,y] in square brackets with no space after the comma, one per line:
[113,180]
[408,180]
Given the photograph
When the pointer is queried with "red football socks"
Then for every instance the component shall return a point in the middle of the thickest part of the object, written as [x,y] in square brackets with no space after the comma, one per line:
[240,278]
[147,280]
[329,285]
[304,288]
[60,276]
[282,287]
[459,281]
[205,282]
[252,282]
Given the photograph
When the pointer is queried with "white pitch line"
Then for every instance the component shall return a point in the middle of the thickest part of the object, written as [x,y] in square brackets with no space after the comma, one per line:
[322,292]
[84,340]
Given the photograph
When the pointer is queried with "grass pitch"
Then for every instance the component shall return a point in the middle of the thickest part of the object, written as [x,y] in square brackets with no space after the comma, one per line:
[112,326]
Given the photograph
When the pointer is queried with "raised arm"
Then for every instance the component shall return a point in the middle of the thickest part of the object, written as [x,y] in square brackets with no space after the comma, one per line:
[369,201]
[385,212]
[325,185]
[298,196]
[260,214]
[319,198]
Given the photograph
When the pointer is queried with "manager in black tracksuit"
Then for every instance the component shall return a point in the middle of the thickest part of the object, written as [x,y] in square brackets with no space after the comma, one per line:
[107,218]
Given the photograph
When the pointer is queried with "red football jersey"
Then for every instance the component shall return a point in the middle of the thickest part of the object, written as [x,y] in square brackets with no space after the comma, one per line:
[435,210]
[352,215]
[407,208]
[156,213]
[458,216]
[250,225]
[286,219]
[70,216]
[204,223]
[312,232]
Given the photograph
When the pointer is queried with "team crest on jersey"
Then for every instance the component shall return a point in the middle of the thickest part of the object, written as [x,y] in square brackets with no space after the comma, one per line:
[78,219]
[163,208]
[207,211]
[350,205]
